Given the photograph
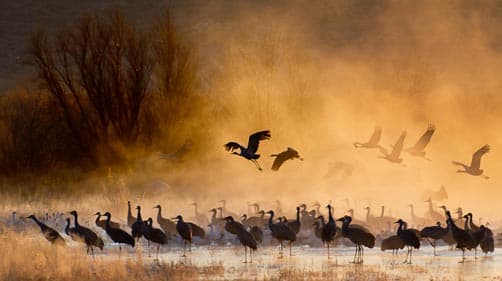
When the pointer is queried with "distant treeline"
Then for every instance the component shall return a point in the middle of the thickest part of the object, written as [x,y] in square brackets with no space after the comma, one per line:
[104,90]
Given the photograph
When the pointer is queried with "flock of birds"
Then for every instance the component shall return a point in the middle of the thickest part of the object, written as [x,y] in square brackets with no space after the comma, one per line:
[255,227]
[259,226]
[394,155]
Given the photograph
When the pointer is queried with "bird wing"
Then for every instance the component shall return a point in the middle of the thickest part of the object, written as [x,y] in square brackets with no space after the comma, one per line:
[425,138]
[398,147]
[255,139]
[197,230]
[459,164]
[476,157]
[375,138]
[279,159]
[231,146]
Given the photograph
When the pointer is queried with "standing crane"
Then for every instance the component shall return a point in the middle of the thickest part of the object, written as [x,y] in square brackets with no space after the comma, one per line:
[116,234]
[89,237]
[357,236]
[167,225]
[435,233]
[130,219]
[154,235]
[281,232]
[102,223]
[463,239]
[249,152]
[49,233]
[185,231]
[409,239]
[474,168]
[246,238]
[138,228]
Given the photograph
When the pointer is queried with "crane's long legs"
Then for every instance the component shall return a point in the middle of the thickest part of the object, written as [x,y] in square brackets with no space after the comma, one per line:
[290,246]
[245,254]
[328,251]
[158,249]
[251,254]
[257,165]
[184,249]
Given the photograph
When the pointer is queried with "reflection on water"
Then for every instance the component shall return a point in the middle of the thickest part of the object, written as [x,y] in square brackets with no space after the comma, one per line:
[268,263]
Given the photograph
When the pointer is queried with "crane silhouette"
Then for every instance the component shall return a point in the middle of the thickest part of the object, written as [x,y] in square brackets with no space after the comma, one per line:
[374,140]
[281,232]
[249,152]
[397,148]
[393,243]
[138,228]
[357,236]
[116,234]
[280,158]
[474,168]
[130,219]
[418,148]
[154,235]
[102,223]
[245,238]
[185,231]
[167,225]
[89,237]
[295,224]
[49,233]
[462,238]
[409,239]
[435,233]
[328,229]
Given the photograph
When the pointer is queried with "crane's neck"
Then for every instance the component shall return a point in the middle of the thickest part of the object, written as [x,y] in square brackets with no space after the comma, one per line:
[400,228]
[67,227]
[139,215]
[298,215]
[271,220]
[471,223]
[159,214]
[38,223]
[466,224]
[382,211]
[214,214]
[257,208]
[98,217]
[412,211]
[195,209]
[76,220]
[129,213]
[330,217]
[367,213]
[108,218]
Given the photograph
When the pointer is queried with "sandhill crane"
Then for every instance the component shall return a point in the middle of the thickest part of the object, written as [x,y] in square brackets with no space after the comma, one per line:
[357,236]
[462,238]
[448,238]
[439,195]
[487,244]
[167,225]
[217,223]
[130,219]
[417,221]
[472,226]
[435,233]
[281,232]
[295,224]
[432,214]
[328,229]
[138,228]
[155,235]
[199,217]
[474,168]
[225,211]
[185,231]
[102,223]
[373,141]
[232,226]
[249,152]
[49,233]
[418,148]
[288,154]
[71,231]
[116,234]
[409,239]
[324,232]
[395,154]
[257,221]
[89,237]
[357,223]
[393,243]
[246,238]
[257,233]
